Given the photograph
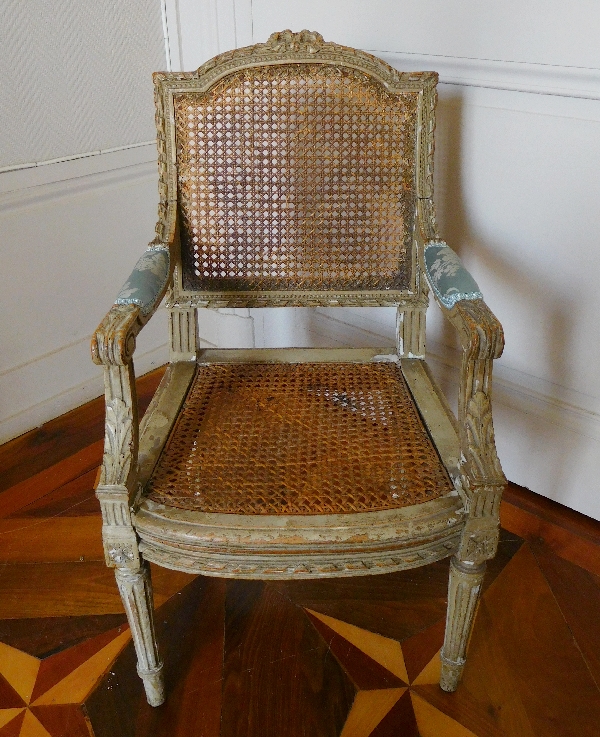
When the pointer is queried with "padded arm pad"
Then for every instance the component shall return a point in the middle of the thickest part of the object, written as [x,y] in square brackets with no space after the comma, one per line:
[447,275]
[147,281]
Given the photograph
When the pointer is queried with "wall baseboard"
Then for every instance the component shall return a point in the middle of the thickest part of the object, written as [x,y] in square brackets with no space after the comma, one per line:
[511,388]
[57,368]
[558,454]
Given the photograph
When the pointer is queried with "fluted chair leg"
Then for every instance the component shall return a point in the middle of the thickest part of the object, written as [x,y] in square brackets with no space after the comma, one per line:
[135,587]
[464,588]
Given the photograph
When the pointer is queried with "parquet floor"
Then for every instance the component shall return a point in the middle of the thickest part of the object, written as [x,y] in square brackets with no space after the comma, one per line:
[352,657]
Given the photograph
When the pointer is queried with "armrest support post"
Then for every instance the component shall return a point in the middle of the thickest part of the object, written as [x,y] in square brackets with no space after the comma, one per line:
[113,346]
[482,478]
[482,339]
[118,475]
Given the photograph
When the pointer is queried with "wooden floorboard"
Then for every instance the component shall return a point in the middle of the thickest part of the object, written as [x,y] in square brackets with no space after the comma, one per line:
[567,533]
[356,657]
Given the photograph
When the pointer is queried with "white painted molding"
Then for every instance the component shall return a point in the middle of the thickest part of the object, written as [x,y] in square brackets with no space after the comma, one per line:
[226,328]
[204,28]
[63,398]
[244,33]
[543,79]
[201,29]
[27,196]
[75,157]
[521,396]
[515,389]
[20,178]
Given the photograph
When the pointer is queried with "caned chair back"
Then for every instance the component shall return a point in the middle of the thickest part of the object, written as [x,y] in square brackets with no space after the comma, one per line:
[296,166]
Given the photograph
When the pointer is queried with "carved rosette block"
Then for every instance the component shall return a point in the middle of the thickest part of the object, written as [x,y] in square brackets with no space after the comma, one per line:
[118,536]
[479,540]
[463,593]
[136,592]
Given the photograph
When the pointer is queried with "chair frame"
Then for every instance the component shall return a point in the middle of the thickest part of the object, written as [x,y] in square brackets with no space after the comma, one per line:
[463,524]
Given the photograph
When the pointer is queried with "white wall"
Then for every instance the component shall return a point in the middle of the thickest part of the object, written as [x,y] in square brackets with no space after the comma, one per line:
[517,187]
[75,214]
[518,149]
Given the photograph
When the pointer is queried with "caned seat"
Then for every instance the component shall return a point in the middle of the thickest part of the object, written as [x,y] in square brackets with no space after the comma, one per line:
[298,173]
[308,438]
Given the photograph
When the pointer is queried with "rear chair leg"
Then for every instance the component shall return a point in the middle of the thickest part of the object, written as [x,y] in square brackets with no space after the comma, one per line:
[135,587]
[464,588]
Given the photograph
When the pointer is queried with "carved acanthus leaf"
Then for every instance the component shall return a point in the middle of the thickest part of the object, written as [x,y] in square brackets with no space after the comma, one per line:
[118,441]
[482,463]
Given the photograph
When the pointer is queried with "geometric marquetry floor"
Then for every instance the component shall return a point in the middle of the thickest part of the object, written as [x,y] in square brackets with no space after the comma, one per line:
[356,657]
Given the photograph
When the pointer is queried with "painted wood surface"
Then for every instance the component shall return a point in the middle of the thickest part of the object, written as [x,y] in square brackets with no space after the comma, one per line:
[356,657]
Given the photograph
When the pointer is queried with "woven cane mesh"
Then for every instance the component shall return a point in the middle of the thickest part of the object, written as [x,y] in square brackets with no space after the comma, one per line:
[296,177]
[298,439]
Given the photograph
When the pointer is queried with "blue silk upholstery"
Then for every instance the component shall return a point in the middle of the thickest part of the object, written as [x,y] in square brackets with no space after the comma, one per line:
[447,275]
[147,281]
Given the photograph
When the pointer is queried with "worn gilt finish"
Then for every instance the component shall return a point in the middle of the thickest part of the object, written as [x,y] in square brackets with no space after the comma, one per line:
[135,588]
[461,524]
[410,330]
[280,50]
[113,346]
[482,478]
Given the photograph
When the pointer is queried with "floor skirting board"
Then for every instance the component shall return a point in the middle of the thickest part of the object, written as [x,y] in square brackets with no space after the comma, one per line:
[548,436]
[43,387]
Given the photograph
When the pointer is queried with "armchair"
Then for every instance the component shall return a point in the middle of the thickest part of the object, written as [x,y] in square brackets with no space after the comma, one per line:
[298,172]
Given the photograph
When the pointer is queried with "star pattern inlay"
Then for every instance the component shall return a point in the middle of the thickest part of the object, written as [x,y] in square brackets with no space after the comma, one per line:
[387,675]
[43,698]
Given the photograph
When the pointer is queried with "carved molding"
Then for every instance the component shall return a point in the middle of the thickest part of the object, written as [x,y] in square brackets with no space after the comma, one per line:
[283,47]
[117,443]
[482,462]
[118,535]
[481,333]
[289,299]
[482,339]
[301,565]
[135,588]
[410,331]
[304,41]
[428,229]
[183,330]
[464,589]
[113,343]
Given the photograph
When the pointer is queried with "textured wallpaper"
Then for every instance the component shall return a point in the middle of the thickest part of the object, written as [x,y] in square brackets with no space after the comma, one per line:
[76,76]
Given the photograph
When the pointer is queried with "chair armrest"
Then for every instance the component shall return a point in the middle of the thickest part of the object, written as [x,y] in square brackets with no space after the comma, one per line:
[447,275]
[113,345]
[482,339]
[114,340]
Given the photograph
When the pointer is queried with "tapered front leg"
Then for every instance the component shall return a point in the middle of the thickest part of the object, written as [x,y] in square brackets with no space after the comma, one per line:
[464,588]
[136,592]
